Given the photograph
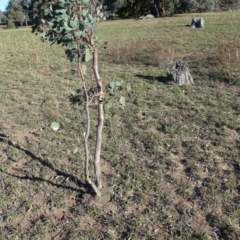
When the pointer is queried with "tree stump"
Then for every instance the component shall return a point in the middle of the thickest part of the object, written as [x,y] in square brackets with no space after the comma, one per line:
[178,72]
[197,23]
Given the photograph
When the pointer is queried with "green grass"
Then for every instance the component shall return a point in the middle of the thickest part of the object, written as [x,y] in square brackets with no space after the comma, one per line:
[170,158]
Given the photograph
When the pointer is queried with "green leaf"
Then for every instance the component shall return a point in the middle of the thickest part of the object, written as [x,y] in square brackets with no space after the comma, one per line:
[67,37]
[90,16]
[78,33]
[128,88]
[107,106]
[84,69]
[61,5]
[62,17]
[72,71]
[87,25]
[75,150]
[73,93]
[122,100]
[47,11]
[112,85]
[85,1]
[43,36]
[66,27]
[60,11]
[117,83]
[72,46]
[88,55]
[55,126]
[84,12]
[93,21]
[65,17]
[73,24]
[111,92]
[84,34]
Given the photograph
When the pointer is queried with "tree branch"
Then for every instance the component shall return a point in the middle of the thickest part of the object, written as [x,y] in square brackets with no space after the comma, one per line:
[100,118]
[87,134]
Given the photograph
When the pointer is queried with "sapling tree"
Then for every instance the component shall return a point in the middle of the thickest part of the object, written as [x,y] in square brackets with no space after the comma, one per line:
[73,24]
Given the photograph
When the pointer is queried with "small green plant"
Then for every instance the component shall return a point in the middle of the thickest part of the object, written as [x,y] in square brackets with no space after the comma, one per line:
[116,88]
[73,24]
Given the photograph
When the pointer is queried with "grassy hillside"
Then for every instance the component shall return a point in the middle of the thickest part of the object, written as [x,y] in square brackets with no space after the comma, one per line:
[170,158]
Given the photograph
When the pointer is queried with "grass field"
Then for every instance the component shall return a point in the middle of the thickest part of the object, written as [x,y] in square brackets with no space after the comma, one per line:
[170,158]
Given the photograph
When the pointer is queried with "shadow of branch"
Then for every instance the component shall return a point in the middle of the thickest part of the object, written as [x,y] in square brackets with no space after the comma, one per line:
[39,179]
[87,188]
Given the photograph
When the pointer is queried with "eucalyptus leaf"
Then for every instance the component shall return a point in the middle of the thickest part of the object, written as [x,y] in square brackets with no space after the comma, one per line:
[73,24]
[85,1]
[84,12]
[84,34]
[78,33]
[43,35]
[122,100]
[87,25]
[93,21]
[60,11]
[111,92]
[72,46]
[55,126]
[64,17]
[90,17]
[47,11]
[61,4]
[112,84]
[88,55]
[107,106]
[117,83]
[66,27]
[128,88]
[75,150]
[84,69]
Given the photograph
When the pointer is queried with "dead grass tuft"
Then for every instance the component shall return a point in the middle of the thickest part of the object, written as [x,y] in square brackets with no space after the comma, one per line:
[228,58]
[141,51]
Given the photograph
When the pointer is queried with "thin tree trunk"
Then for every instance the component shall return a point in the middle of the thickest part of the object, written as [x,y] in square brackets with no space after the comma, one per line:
[87,135]
[100,118]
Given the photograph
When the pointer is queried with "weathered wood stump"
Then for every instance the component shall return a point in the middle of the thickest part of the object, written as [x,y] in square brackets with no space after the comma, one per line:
[178,72]
[197,23]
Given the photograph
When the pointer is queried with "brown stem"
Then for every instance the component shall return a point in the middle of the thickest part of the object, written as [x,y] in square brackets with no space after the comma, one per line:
[87,134]
[100,118]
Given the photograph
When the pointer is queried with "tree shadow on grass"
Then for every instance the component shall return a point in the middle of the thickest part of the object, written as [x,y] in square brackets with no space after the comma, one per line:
[152,79]
[84,188]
